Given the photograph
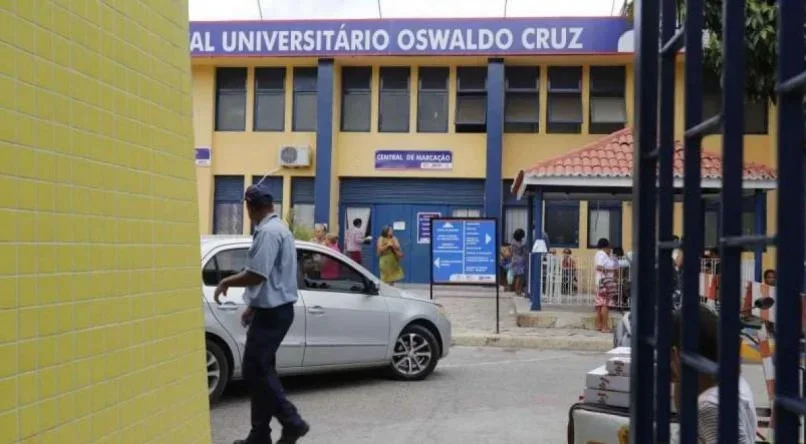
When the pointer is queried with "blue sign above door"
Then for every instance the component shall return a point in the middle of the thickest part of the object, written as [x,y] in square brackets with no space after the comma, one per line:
[413,160]
[464,251]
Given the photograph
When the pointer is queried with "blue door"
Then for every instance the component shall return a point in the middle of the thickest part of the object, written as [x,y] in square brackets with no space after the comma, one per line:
[396,216]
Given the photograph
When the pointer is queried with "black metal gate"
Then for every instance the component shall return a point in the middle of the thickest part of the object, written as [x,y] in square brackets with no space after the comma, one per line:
[653,211]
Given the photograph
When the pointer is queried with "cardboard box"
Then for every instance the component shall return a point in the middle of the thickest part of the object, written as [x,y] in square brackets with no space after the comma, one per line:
[620,351]
[618,366]
[606,397]
[599,379]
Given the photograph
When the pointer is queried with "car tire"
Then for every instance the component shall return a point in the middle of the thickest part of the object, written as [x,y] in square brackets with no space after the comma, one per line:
[218,371]
[415,354]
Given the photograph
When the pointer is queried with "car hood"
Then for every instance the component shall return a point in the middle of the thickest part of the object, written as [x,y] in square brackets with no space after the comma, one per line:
[388,290]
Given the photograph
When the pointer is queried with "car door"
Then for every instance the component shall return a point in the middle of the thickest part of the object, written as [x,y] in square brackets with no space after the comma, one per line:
[227,261]
[345,322]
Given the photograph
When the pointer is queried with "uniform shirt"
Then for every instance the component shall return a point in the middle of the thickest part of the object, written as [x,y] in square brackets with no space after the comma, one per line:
[353,239]
[273,255]
[708,414]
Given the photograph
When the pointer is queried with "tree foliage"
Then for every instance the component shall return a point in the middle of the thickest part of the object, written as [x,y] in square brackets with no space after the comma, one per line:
[761,55]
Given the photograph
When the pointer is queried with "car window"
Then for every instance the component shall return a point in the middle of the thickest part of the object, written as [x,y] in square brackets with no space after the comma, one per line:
[224,264]
[322,272]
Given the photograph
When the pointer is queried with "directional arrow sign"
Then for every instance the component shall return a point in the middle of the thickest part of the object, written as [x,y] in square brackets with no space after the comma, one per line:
[464,251]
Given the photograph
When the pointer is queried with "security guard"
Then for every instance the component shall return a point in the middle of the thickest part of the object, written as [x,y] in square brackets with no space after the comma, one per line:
[270,278]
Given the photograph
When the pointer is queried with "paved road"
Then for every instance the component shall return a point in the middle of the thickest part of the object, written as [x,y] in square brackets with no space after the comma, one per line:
[478,395]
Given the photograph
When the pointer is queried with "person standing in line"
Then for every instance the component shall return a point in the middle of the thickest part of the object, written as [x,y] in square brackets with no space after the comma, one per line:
[605,284]
[319,233]
[270,280]
[353,240]
[389,256]
[518,261]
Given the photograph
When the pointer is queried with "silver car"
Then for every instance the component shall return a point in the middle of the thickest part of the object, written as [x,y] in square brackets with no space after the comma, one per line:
[345,318]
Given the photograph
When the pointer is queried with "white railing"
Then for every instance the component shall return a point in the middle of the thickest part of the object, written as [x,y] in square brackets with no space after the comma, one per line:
[571,280]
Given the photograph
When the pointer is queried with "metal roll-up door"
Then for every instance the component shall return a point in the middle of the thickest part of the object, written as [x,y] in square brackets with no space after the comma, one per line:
[467,192]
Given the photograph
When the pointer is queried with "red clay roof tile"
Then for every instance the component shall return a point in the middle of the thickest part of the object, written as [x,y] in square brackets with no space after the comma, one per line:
[612,156]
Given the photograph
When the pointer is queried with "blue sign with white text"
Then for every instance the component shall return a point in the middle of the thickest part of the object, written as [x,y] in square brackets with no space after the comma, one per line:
[413,160]
[481,36]
[464,251]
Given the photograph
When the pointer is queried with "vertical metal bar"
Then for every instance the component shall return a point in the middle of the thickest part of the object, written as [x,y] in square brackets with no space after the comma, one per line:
[692,219]
[790,216]
[536,259]
[665,225]
[733,13]
[644,220]
[759,229]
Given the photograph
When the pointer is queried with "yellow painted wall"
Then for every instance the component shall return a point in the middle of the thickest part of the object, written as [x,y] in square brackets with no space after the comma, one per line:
[248,152]
[101,332]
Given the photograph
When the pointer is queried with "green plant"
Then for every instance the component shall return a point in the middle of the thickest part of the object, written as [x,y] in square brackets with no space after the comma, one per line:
[761,55]
[300,232]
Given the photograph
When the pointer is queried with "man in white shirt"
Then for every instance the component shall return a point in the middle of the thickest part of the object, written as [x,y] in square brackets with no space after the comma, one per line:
[708,400]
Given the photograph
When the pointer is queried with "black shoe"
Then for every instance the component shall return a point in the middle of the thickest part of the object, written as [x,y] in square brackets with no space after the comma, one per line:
[292,433]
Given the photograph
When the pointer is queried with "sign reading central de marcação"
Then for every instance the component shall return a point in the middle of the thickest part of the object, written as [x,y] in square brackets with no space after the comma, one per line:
[413,160]
[488,36]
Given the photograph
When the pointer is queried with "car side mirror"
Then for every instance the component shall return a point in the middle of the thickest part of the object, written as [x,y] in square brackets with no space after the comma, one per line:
[372,289]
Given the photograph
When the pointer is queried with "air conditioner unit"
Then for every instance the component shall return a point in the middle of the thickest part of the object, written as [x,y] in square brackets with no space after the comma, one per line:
[294,156]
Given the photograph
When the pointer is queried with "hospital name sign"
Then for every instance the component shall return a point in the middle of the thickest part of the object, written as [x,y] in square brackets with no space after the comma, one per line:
[407,37]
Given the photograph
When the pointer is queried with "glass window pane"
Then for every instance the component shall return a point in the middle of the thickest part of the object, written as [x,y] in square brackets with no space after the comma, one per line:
[471,78]
[305,79]
[608,110]
[323,272]
[565,108]
[355,111]
[395,78]
[608,79]
[304,112]
[565,77]
[515,218]
[432,112]
[233,79]
[434,79]
[711,228]
[354,77]
[272,79]
[598,226]
[523,77]
[231,262]
[231,112]
[522,108]
[471,109]
[228,218]
[562,224]
[393,113]
[269,112]
[303,215]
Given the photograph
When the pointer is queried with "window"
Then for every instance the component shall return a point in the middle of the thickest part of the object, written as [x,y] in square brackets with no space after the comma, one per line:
[756,118]
[323,272]
[356,96]
[432,101]
[304,114]
[230,99]
[713,219]
[562,223]
[269,99]
[465,212]
[394,106]
[303,215]
[228,205]
[471,99]
[224,264]
[604,221]
[522,106]
[364,214]
[565,100]
[608,110]
[515,218]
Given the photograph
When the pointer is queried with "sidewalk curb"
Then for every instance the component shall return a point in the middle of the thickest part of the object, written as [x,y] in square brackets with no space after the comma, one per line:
[534,342]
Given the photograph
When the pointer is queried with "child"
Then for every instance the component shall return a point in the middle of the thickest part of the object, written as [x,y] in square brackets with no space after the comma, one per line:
[708,400]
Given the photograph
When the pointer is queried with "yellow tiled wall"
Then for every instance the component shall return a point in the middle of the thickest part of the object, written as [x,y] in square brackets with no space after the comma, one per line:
[101,329]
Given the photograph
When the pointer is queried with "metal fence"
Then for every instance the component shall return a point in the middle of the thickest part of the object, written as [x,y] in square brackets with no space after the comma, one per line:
[572,280]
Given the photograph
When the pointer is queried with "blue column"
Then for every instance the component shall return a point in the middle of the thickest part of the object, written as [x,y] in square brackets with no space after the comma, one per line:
[493,185]
[760,226]
[535,259]
[324,141]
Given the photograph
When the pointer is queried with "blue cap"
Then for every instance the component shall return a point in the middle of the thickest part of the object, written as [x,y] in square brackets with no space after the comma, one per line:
[258,194]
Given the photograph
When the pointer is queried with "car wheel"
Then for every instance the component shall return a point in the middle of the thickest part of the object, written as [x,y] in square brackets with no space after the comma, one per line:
[217,371]
[415,354]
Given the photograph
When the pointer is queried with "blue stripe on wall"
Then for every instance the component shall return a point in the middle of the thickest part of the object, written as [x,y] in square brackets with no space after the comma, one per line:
[324,140]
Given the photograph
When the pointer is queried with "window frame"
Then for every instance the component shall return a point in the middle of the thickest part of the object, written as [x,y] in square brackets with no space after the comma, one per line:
[237,203]
[385,92]
[470,93]
[214,260]
[301,90]
[574,205]
[712,105]
[714,206]
[367,282]
[363,92]
[230,92]
[444,93]
[616,92]
[511,92]
[272,92]
[611,206]
[564,126]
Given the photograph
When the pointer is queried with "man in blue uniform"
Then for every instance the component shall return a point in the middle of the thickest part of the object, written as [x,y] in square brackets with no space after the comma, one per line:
[270,278]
